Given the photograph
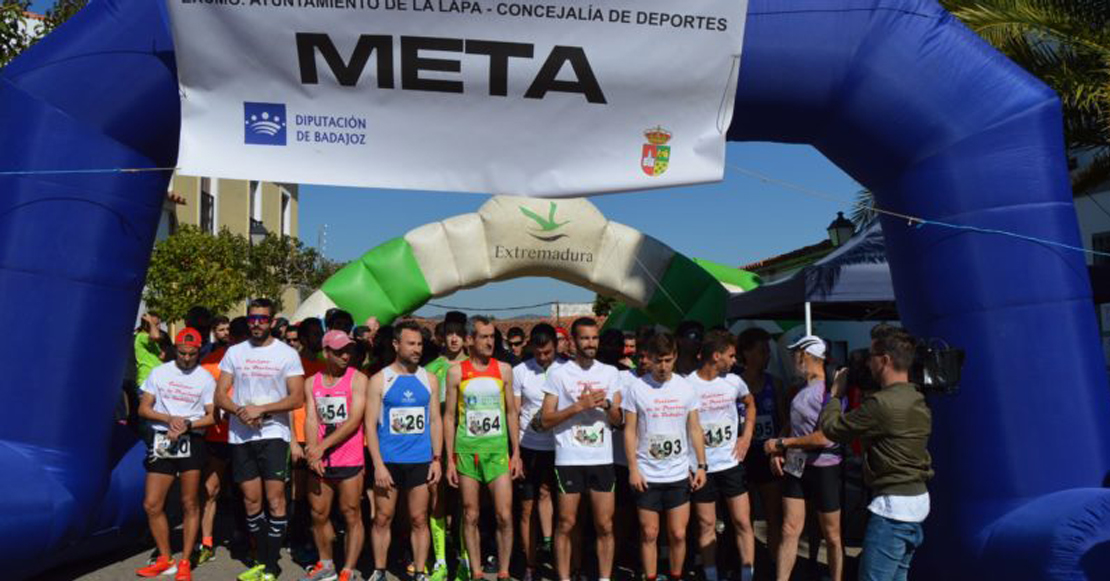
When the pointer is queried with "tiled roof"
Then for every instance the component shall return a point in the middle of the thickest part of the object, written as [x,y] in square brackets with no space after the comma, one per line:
[793,254]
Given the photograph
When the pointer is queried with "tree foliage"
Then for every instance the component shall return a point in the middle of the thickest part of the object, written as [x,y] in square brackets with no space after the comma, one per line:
[192,268]
[603,305]
[18,32]
[1066,44]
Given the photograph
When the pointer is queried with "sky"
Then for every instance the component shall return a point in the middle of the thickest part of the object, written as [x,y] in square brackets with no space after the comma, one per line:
[736,221]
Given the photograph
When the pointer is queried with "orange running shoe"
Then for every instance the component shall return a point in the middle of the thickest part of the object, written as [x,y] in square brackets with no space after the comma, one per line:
[162,566]
[184,571]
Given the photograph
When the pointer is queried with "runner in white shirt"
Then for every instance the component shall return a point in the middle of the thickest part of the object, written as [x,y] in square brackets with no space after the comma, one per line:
[177,400]
[726,445]
[269,383]
[661,425]
[537,447]
[581,404]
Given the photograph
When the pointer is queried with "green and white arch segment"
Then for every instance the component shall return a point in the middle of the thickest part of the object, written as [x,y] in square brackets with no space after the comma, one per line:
[734,280]
[510,237]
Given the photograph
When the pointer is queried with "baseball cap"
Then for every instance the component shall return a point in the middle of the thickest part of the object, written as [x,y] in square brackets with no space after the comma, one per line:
[336,340]
[563,332]
[811,344]
[189,337]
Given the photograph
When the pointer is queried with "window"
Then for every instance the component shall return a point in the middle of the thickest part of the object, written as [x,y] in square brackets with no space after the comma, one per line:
[256,200]
[207,207]
[1101,243]
[286,209]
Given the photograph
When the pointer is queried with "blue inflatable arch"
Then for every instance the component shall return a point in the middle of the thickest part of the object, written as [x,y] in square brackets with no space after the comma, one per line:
[895,92]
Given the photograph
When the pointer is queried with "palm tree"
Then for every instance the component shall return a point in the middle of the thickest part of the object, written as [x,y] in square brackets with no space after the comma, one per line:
[1065,43]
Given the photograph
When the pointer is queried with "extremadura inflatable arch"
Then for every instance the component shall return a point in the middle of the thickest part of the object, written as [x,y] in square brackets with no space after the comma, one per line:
[896,92]
[510,237]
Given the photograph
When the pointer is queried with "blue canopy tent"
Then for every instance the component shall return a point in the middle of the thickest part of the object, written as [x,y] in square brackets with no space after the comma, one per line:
[852,282]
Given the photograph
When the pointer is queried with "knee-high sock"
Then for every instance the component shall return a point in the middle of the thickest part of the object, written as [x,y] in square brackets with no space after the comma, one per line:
[256,526]
[276,534]
[439,539]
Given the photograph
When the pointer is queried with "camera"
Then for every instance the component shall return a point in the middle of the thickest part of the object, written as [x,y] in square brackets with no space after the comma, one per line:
[937,367]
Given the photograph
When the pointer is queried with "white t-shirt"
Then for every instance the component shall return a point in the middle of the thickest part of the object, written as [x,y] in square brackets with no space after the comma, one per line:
[260,374]
[585,439]
[720,419]
[528,380]
[661,412]
[179,393]
[620,456]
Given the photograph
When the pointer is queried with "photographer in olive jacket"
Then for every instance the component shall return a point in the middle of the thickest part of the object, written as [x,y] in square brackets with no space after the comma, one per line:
[894,425]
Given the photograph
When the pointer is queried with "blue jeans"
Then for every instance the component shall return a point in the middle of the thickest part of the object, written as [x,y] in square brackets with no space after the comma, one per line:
[888,548]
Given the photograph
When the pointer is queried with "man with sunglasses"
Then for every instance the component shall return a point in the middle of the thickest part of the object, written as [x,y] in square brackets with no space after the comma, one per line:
[269,383]
[894,425]
[515,339]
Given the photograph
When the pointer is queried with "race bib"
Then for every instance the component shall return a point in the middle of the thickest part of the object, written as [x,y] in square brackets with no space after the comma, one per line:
[332,410]
[589,436]
[764,428]
[483,422]
[795,463]
[719,435]
[164,448]
[406,421]
[663,446]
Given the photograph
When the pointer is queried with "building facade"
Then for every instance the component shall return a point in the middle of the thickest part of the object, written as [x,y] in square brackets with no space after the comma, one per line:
[240,206]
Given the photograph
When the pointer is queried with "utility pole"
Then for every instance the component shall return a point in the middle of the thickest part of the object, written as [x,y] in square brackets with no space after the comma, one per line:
[322,239]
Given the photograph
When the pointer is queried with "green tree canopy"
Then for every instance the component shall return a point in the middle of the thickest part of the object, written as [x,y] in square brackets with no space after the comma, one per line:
[193,268]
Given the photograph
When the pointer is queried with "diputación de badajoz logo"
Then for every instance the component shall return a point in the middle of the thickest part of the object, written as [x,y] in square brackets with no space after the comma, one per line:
[264,123]
[547,226]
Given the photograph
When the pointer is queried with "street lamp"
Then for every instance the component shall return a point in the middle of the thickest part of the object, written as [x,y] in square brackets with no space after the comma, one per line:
[841,229]
[258,232]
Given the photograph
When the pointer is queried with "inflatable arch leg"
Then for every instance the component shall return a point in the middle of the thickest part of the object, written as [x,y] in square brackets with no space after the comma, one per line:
[896,92]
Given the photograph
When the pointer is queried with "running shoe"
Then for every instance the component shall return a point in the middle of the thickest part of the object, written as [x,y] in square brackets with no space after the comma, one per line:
[421,577]
[255,573]
[439,573]
[184,571]
[461,574]
[268,577]
[161,566]
[320,572]
[349,575]
[205,554]
[527,575]
[490,566]
[377,575]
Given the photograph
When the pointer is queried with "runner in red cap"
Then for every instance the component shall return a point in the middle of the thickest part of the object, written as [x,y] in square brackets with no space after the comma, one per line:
[177,400]
[564,350]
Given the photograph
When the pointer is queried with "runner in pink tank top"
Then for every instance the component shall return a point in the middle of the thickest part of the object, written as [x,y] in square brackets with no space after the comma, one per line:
[333,408]
[335,405]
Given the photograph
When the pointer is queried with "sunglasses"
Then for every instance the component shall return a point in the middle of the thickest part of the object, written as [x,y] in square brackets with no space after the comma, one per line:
[258,318]
[516,343]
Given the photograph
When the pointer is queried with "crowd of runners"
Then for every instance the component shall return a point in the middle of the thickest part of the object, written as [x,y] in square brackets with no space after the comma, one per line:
[600,454]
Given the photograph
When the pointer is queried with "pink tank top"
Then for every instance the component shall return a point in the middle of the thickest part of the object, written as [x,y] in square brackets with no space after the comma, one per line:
[333,405]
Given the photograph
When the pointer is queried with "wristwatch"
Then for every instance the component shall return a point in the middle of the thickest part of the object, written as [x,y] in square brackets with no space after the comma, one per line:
[608,404]
[780,444]
[188,425]
[703,467]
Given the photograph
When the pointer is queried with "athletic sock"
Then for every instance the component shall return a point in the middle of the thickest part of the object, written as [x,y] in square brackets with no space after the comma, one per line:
[278,527]
[675,576]
[439,539]
[258,533]
[207,542]
[711,573]
[327,563]
[747,573]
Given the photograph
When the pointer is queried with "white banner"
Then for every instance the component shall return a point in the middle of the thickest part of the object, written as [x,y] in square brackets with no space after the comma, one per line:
[551,98]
